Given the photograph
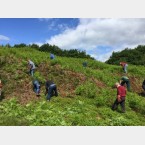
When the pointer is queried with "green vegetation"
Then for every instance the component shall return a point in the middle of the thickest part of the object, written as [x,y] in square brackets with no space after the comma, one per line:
[85,96]
[54,49]
[134,56]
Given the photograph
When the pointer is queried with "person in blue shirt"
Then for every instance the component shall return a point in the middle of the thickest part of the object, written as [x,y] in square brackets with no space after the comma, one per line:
[36,87]
[51,89]
[51,56]
[31,67]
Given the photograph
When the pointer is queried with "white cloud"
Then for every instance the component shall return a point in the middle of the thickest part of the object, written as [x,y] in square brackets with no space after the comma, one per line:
[4,38]
[102,58]
[90,33]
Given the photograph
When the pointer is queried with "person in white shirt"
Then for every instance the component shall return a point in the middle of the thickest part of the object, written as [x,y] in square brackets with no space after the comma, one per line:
[31,67]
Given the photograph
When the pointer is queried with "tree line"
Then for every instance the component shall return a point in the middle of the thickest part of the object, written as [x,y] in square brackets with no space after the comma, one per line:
[54,49]
[134,56]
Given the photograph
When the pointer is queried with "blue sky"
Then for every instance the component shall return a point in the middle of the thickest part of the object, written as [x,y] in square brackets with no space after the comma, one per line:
[27,30]
[99,37]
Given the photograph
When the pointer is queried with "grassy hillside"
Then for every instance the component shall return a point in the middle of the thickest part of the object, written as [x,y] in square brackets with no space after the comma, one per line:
[85,94]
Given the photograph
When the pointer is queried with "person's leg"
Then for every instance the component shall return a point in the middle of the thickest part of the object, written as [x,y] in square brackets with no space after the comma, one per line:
[37,91]
[32,72]
[115,105]
[125,68]
[128,85]
[50,90]
[122,103]
[143,86]
[0,91]
[55,90]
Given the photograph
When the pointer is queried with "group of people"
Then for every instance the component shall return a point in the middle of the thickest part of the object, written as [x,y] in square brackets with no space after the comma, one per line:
[121,90]
[121,93]
[32,66]
[50,86]
[126,79]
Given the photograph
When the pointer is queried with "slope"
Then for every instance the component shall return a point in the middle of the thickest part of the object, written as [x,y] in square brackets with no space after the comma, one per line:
[85,94]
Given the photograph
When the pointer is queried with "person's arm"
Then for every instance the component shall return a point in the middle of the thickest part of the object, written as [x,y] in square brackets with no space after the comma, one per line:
[118,95]
[29,65]
[118,98]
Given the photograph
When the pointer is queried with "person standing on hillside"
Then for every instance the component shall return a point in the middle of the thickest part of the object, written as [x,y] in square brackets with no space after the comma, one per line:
[1,87]
[125,80]
[51,89]
[124,66]
[51,56]
[31,67]
[36,87]
[121,95]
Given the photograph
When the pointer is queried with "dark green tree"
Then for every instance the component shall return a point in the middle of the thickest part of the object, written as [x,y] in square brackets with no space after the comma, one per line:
[134,56]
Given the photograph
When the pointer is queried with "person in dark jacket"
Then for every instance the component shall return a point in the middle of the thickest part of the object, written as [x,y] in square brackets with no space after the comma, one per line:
[51,89]
[36,87]
[121,95]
